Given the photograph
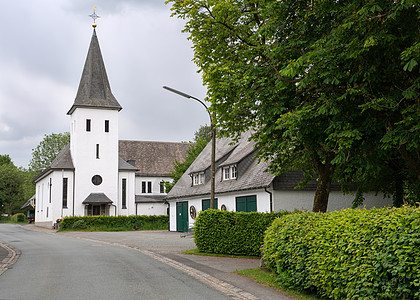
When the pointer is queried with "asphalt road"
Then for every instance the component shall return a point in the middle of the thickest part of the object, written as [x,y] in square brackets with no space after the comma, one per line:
[53,266]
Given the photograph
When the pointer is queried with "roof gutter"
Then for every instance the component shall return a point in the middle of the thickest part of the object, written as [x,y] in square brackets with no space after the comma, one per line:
[271,198]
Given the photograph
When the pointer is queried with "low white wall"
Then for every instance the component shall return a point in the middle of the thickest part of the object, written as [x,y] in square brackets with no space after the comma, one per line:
[152,209]
[303,200]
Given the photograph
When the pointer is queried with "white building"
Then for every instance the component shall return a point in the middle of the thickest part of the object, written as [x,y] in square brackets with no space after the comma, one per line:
[96,173]
[242,184]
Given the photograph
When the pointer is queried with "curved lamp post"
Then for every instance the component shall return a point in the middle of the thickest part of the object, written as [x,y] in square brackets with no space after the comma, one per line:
[213,141]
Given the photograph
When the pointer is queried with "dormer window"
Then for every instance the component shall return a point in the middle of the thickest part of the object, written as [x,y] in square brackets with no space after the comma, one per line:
[198,178]
[230,172]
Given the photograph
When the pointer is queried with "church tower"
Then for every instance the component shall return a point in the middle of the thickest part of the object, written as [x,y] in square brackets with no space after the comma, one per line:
[94,138]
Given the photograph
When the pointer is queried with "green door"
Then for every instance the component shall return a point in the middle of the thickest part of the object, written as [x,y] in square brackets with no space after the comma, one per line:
[246,203]
[182,216]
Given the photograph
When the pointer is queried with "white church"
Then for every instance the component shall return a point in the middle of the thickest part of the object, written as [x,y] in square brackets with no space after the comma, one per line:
[98,174]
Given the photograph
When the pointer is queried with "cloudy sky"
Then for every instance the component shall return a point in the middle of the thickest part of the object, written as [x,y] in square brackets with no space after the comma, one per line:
[43,47]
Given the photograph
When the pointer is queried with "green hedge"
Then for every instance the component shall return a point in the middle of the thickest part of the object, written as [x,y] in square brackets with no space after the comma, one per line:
[115,223]
[349,254]
[18,218]
[227,232]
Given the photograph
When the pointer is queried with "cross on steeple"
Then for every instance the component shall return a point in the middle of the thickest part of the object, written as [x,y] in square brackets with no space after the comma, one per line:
[94,16]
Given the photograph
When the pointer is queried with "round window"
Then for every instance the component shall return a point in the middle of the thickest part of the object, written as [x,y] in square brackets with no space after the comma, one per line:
[96,180]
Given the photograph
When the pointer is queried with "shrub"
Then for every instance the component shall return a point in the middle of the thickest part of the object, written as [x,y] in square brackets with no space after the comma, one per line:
[226,232]
[109,223]
[349,254]
[18,218]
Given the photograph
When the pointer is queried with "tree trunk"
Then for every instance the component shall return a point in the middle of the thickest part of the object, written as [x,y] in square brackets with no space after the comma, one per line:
[325,173]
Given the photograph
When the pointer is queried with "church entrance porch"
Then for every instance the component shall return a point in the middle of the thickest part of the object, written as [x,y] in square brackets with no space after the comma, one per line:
[97,210]
[97,204]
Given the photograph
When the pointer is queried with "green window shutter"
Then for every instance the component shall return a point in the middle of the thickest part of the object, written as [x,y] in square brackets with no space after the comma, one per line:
[246,203]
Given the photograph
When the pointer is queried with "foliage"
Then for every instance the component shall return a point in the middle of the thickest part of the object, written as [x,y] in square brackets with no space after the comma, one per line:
[349,254]
[11,180]
[329,87]
[201,139]
[47,150]
[18,218]
[5,159]
[227,232]
[109,223]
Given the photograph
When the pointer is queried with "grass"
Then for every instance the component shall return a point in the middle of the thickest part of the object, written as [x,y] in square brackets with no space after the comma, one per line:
[269,279]
[4,219]
[197,252]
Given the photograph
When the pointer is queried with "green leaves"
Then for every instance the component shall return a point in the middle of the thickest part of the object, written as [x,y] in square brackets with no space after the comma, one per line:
[47,150]
[350,254]
[237,233]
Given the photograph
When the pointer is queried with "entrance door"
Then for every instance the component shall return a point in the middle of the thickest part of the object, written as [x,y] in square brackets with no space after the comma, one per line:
[182,216]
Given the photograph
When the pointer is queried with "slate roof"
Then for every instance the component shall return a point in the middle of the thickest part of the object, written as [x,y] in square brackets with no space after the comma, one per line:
[97,198]
[94,89]
[63,161]
[251,175]
[152,158]
[149,199]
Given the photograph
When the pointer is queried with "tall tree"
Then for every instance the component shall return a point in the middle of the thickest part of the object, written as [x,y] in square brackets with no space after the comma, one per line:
[201,138]
[329,87]
[11,180]
[47,150]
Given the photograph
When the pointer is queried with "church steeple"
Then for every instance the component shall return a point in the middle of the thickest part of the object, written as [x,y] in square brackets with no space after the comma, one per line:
[94,89]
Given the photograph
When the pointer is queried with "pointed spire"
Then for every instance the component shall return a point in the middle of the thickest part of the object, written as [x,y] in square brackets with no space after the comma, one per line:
[94,89]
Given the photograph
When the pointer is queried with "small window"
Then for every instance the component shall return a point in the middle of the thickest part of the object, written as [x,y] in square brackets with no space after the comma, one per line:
[234,172]
[65,190]
[230,172]
[97,151]
[198,178]
[88,125]
[97,180]
[149,187]
[143,187]
[124,193]
[106,125]
[162,187]
[226,173]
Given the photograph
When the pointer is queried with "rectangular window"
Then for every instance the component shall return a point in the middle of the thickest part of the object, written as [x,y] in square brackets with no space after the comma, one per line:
[198,178]
[162,187]
[205,204]
[234,172]
[226,173]
[65,190]
[88,125]
[124,193]
[149,187]
[246,203]
[106,125]
[143,187]
[97,151]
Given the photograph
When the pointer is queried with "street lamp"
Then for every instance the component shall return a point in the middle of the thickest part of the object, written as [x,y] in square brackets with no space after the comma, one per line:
[213,141]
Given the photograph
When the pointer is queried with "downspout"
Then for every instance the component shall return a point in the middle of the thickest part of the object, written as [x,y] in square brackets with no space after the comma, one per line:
[271,198]
[74,188]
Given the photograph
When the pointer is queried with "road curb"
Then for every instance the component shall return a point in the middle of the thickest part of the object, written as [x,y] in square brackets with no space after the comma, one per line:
[12,257]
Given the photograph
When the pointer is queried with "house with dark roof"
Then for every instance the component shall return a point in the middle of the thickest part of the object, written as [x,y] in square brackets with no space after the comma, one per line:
[243,184]
[96,173]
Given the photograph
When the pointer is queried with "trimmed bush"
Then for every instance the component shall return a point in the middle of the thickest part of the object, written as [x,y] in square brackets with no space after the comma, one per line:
[227,232]
[105,223]
[349,254]
[18,218]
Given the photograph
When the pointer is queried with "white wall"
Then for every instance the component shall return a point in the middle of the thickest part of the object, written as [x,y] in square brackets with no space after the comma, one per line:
[155,185]
[49,204]
[130,200]
[303,200]
[83,149]
[228,199]
[152,209]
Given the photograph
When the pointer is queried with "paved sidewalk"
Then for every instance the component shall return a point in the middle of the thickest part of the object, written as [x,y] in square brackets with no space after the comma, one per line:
[166,247]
